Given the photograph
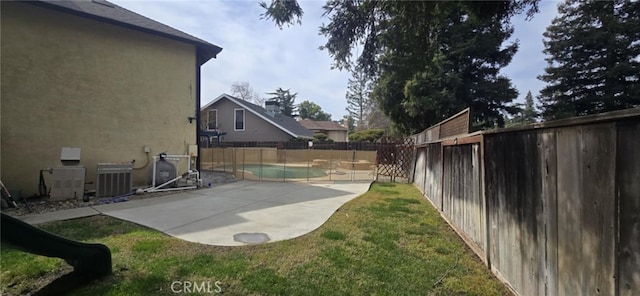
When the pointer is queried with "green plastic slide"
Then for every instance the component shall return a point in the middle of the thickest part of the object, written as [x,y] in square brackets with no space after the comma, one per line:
[85,258]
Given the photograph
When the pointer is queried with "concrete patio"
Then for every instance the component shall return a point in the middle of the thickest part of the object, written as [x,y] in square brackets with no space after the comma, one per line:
[232,214]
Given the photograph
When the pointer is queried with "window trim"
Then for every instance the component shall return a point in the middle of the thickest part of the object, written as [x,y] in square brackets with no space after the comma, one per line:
[235,118]
[209,119]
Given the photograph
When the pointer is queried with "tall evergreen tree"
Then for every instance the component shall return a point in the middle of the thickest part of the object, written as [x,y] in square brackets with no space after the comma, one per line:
[285,99]
[526,112]
[358,102]
[430,59]
[593,62]
[529,114]
[417,91]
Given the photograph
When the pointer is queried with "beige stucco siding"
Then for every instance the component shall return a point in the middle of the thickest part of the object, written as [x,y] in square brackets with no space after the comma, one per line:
[72,81]
[337,136]
[256,128]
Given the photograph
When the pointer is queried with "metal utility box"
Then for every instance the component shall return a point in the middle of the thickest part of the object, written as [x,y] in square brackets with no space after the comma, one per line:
[70,154]
[193,150]
[113,179]
[68,182]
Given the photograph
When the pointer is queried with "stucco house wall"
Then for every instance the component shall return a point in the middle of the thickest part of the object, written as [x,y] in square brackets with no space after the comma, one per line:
[70,81]
[337,136]
[256,128]
[332,129]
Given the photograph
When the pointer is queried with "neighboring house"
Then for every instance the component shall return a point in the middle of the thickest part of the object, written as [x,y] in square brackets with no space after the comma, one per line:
[240,121]
[332,129]
[93,75]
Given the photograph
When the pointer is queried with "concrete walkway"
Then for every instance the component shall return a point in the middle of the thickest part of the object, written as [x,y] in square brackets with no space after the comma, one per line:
[232,214]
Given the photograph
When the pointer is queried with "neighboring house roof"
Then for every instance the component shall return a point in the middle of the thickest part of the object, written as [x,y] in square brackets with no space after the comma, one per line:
[286,123]
[322,125]
[108,12]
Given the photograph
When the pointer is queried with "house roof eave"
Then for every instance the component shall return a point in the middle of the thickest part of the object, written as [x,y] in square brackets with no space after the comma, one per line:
[205,50]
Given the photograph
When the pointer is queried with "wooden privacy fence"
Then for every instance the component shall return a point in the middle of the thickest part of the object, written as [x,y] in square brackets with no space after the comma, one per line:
[551,208]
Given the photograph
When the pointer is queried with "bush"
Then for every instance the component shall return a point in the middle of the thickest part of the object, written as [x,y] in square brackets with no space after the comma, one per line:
[366,135]
[321,137]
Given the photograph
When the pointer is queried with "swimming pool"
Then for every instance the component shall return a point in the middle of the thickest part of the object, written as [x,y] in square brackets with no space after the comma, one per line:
[280,172]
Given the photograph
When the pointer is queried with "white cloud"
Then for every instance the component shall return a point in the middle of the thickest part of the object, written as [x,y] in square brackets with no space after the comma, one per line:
[256,51]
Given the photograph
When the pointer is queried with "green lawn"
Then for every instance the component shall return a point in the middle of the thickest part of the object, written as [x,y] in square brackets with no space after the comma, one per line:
[389,241]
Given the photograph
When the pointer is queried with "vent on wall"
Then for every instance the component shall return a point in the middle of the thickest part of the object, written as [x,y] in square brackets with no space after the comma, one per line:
[113,179]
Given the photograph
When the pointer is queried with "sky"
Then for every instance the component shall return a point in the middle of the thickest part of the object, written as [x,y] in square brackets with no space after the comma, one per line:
[258,52]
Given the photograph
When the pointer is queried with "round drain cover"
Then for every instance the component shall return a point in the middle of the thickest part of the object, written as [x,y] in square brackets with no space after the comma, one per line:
[251,238]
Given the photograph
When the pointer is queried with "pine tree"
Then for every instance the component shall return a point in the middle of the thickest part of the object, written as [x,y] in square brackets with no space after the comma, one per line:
[420,76]
[526,113]
[593,62]
[358,102]
[464,72]
[286,100]
[529,114]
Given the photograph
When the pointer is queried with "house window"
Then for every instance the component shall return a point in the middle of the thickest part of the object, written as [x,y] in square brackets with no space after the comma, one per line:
[239,119]
[212,120]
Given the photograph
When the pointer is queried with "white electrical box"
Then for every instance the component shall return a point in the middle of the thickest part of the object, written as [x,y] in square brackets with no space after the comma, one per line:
[193,150]
[68,182]
[70,154]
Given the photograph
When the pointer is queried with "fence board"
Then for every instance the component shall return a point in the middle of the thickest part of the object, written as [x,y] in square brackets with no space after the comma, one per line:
[421,169]
[548,163]
[434,167]
[535,218]
[598,168]
[528,193]
[523,203]
[586,208]
[463,202]
[431,172]
[478,220]
[494,156]
[497,178]
[628,192]
[447,180]
[570,275]
[513,189]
